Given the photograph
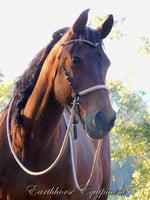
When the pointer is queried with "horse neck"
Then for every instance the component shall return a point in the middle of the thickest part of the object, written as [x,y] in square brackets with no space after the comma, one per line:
[42,114]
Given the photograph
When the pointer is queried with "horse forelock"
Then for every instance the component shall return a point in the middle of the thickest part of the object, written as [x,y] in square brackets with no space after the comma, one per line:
[26,83]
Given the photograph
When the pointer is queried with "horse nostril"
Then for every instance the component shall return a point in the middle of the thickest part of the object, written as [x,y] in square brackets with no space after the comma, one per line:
[98,126]
[99,119]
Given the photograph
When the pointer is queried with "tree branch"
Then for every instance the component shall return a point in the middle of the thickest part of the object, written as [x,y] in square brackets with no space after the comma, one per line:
[120,152]
[120,168]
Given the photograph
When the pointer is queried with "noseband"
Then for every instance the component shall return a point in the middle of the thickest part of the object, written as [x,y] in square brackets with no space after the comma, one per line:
[69,125]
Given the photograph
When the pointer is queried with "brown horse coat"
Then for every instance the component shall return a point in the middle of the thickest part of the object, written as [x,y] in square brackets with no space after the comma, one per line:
[37,126]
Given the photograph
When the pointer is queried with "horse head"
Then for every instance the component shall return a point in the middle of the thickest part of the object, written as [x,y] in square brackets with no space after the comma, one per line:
[83,60]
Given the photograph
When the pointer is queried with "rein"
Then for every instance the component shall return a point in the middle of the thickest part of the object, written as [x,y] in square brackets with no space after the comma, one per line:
[69,126]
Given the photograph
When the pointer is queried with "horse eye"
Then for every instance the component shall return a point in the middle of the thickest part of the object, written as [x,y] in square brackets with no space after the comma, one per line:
[76,60]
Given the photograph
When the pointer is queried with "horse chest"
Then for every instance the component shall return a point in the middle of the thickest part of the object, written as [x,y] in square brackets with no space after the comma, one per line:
[58,184]
[21,186]
[16,184]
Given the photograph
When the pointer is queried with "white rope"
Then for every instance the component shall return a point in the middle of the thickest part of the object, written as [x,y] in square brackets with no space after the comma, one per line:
[57,158]
[92,89]
[64,141]
[73,163]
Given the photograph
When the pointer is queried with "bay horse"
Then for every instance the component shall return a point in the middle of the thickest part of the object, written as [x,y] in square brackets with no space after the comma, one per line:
[71,68]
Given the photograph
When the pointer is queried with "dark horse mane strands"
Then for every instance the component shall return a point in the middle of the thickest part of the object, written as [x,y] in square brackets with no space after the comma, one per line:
[26,83]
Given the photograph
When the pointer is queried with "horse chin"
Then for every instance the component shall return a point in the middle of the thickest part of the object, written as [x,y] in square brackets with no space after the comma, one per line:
[94,133]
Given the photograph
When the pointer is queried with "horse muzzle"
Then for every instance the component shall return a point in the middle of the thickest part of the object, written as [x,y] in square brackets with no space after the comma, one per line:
[97,125]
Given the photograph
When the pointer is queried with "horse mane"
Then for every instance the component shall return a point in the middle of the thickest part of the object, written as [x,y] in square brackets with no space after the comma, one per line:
[26,83]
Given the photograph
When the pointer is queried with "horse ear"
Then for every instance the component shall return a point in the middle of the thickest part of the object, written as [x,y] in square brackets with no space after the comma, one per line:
[80,23]
[106,27]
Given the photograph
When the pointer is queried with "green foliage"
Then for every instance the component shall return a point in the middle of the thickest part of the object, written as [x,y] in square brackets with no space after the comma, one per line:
[6,90]
[131,137]
[117,30]
[141,181]
[144,45]
[97,21]
[1,76]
